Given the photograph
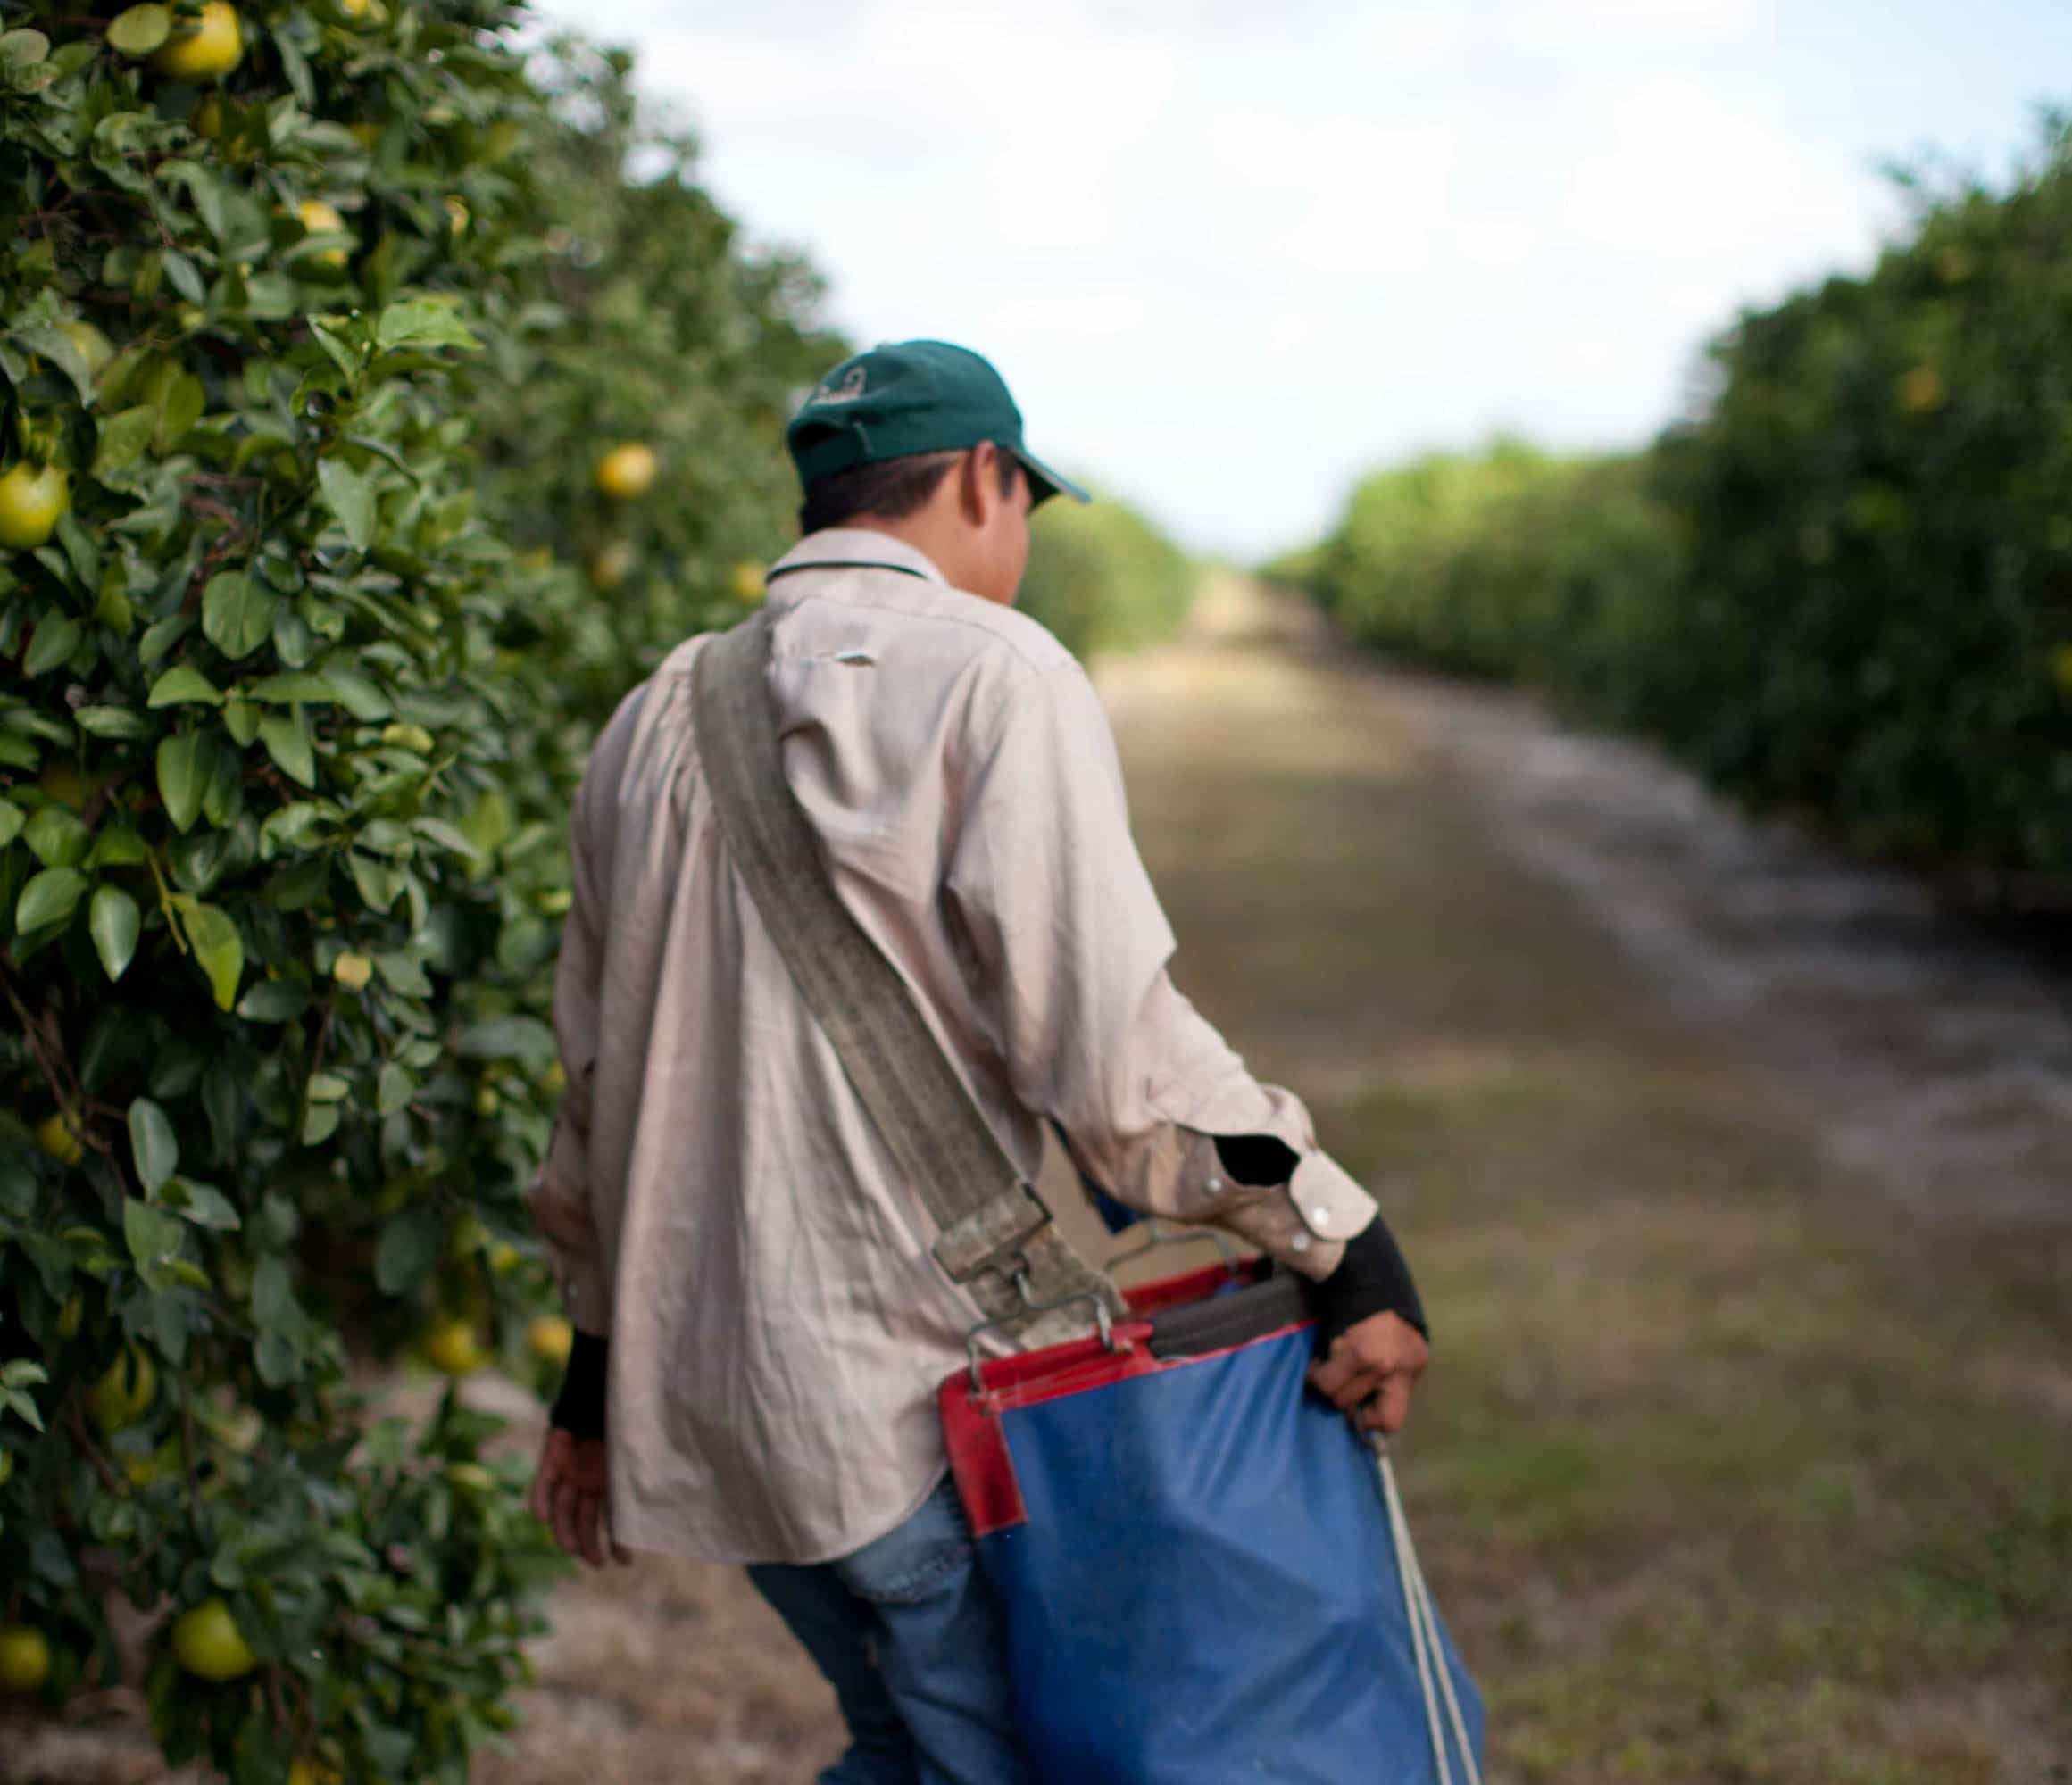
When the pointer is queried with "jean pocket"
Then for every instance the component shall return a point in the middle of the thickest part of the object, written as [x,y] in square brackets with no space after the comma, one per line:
[915,1560]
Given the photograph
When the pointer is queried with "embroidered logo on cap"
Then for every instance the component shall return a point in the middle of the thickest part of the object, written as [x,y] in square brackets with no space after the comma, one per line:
[848,391]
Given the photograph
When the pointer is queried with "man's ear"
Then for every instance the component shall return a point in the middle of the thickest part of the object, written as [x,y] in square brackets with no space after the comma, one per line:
[966,473]
[978,481]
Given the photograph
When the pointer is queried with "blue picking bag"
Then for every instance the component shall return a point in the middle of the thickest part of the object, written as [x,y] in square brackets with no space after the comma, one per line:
[1197,1560]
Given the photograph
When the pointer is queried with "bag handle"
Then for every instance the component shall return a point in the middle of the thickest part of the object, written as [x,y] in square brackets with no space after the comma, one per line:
[995,1236]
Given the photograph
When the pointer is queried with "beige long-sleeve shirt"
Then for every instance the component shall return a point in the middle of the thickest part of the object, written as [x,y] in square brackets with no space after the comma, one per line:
[715,1198]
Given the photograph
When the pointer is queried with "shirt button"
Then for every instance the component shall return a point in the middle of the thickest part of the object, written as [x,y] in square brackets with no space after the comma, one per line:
[1301,1242]
[1213,1185]
[1320,1216]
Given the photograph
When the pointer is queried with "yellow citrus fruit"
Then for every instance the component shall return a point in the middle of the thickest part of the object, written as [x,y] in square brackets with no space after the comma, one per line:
[408,738]
[504,1258]
[472,1476]
[365,134]
[451,1347]
[353,971]
[551,1338]
[58,1138]
[311,1773]
[627,471]
[142,1471]
[207,1642]
[554,1080]
[207,50]
[125,1389]
[610,564]
[457,214]
[486,1100]
[31,499]
[24,1657]
[748,580]
[322,219]
[1921,390]
[94,347]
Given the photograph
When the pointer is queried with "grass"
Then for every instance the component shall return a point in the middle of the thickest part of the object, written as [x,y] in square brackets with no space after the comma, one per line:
[1728,1468]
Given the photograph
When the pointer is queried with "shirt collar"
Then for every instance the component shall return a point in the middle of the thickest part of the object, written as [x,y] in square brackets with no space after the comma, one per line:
[850,546]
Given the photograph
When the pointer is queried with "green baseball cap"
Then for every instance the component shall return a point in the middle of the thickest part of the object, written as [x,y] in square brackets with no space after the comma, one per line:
[902,397]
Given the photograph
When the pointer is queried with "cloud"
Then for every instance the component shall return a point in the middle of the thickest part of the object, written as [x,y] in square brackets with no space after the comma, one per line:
[1229,256]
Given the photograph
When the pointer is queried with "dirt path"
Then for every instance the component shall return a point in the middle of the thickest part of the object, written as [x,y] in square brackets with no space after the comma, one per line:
[1733,1467]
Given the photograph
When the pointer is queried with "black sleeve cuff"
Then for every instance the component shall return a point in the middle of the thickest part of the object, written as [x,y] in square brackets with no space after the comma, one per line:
[579,1409]
[1372,1278]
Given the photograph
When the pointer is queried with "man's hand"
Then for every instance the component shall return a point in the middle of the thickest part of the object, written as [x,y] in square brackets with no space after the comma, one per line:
[1371,1371]
[567,1496]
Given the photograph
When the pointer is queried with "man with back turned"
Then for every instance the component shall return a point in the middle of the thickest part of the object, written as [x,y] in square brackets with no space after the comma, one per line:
[762,1324]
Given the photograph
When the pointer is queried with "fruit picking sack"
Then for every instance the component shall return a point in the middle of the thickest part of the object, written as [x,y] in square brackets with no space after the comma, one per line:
[1204,1574]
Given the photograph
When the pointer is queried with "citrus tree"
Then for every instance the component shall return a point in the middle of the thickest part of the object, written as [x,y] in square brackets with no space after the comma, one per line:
[1839,588]
[663,354]
[1103,577]
[282,787]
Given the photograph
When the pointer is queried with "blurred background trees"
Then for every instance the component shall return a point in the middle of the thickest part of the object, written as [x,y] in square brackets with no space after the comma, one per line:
[1841,587]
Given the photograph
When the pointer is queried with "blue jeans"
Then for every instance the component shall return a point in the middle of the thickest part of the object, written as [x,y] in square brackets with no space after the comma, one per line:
[908,1634]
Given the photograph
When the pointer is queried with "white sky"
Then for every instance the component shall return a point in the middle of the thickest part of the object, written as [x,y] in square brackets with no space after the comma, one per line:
[1230,256]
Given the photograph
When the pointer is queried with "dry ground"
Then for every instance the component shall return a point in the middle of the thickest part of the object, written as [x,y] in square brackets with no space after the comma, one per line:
[1728,1469]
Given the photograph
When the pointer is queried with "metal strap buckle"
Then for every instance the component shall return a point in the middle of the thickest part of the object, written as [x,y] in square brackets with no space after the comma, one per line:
[1103,1321]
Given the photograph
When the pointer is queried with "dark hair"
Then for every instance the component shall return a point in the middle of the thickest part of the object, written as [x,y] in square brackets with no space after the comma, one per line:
[891,488]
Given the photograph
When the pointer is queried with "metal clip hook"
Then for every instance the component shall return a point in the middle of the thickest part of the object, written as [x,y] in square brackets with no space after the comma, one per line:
[1103,1322]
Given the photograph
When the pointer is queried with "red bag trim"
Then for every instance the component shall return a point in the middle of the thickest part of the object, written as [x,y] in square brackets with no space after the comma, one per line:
[973,1431]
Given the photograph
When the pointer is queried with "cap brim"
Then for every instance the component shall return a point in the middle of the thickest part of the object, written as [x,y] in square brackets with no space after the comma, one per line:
[1045,483]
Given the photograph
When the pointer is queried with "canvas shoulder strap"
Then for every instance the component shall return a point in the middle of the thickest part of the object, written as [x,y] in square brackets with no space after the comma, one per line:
[996,1238]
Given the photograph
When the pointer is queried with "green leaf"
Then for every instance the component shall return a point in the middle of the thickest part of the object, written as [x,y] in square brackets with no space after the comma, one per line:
[161,636]
[241,719]
[112,722]
[393,1090]
[220,950]
[154,1237]
[9,822]
[328,1087]
[57,636]
[293,684]
[408,1248]
[237,613]
[185,762]
[56,838]
[201,1203]
[140,29]
[62,352]
[422,322]
[118,846]
[349,495]
[121,438]
[183,685]
[320,1122]
[287,739]
[274,1306]
[152,1144]
[444,834]
[273,1001]
[359,694]
[22,48]
[50,898]
[523,1038]
[114,921]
